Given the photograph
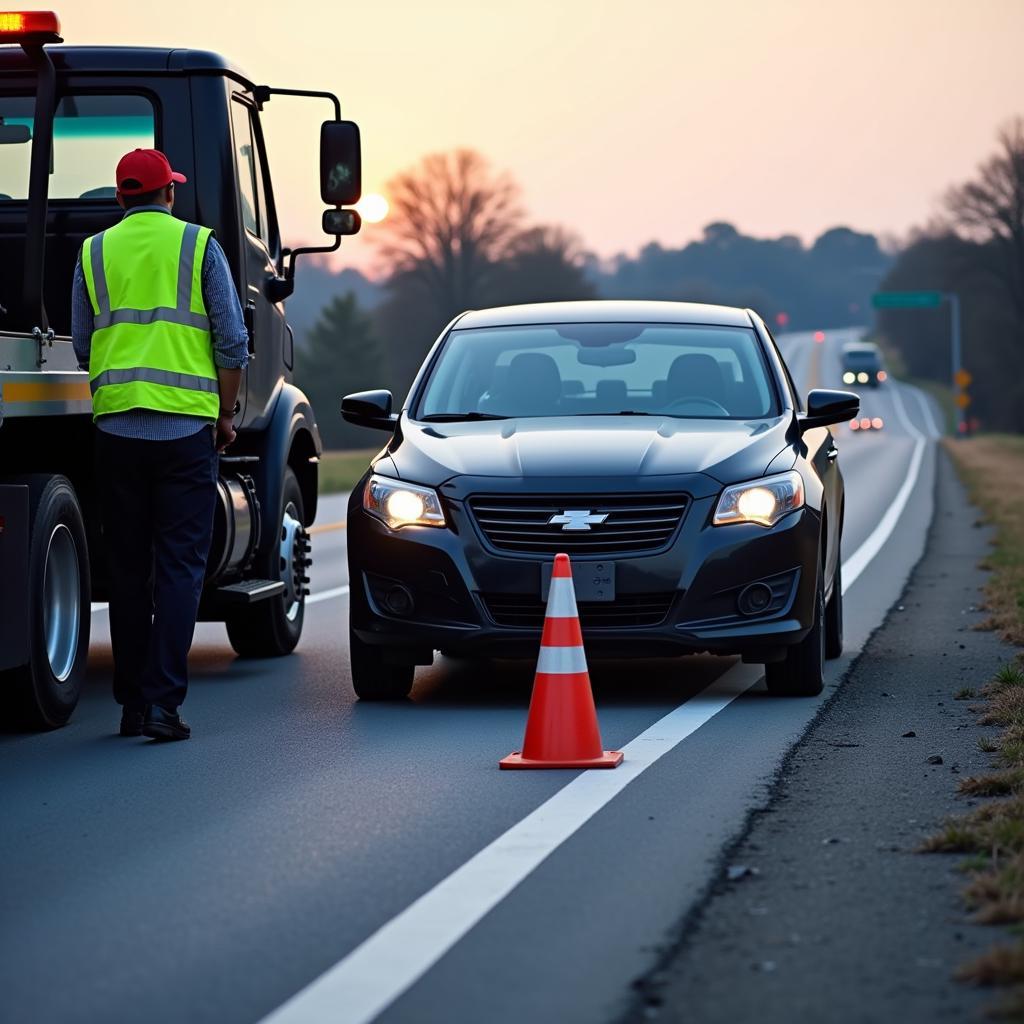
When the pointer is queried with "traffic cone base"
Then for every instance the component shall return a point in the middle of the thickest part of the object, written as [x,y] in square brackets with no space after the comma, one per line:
[561,727]
[609,759]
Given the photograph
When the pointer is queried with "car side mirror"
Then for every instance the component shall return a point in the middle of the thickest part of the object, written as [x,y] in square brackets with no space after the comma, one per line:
[341,168]
[826,407]
[369,409]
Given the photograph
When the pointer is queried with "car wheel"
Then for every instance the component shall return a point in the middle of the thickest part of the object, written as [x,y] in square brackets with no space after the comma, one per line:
[834,617]
[272,627]
[801,673]
[46,690]
[372,678]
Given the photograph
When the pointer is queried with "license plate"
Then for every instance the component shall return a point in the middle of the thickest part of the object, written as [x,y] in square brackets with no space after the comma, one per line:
[594,581]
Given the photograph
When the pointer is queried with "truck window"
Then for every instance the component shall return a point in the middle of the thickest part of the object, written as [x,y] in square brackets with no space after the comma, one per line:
[90,134]
[250,173]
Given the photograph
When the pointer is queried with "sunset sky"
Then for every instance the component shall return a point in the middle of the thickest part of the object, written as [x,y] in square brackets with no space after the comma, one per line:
[628,121]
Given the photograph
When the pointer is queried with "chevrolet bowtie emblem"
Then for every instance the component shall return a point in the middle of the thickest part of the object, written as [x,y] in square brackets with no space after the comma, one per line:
[577,519]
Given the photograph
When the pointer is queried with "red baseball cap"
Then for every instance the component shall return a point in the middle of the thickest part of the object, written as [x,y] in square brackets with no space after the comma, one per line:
[145,170]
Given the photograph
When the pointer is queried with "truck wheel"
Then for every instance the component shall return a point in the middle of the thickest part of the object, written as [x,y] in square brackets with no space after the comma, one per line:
[272,627]
[46,690]
[834,617]
[372,679]
[801,674]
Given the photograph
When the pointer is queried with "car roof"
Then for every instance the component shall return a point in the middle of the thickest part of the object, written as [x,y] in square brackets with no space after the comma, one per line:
[860,346]
[605,311]
[100,59]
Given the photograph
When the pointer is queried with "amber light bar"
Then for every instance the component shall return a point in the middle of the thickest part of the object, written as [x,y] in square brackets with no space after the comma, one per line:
[18,25]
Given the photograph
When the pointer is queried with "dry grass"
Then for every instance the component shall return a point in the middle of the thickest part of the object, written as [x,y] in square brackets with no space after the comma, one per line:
[1002,965]
[992,466]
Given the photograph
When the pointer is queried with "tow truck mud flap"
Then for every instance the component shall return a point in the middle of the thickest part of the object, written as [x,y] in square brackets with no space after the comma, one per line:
[14,575]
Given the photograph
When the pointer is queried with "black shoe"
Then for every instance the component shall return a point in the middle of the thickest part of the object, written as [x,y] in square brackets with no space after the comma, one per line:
[131,719]
[161,724]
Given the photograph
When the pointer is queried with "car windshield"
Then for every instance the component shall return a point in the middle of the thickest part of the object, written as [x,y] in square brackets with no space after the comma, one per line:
[862,357]
[599,369]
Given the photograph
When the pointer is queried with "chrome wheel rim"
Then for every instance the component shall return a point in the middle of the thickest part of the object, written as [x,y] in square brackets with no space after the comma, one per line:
[62,602]
[291,565]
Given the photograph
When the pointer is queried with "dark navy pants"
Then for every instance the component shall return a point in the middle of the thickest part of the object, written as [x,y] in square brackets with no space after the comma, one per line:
[157,500]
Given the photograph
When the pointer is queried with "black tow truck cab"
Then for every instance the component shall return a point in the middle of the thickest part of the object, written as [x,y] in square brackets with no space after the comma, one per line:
[67,114]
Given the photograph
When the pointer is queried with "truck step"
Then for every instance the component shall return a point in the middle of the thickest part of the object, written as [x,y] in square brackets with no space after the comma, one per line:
[250,591]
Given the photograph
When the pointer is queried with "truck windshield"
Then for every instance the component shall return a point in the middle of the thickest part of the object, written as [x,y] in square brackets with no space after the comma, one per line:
[600,369]
[90,134]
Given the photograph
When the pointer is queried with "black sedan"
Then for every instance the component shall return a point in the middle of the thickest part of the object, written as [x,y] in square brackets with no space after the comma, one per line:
[661,445]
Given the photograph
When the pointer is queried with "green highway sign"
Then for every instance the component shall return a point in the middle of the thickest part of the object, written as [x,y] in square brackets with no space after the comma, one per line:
[906,300]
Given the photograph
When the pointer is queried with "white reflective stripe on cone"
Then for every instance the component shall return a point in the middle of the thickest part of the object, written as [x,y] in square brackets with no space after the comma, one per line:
[561,598]
[562,660]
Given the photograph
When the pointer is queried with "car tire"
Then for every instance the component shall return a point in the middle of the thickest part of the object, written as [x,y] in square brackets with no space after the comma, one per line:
[834,617]
[45,691]
[271,628]
[801,673]
[372,678]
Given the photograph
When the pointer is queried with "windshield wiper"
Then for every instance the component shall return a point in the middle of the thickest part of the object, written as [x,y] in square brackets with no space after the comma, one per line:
[621,412]
[457,417]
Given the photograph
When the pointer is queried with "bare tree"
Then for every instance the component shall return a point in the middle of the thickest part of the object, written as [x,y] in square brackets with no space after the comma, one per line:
[990,209]
[451,219]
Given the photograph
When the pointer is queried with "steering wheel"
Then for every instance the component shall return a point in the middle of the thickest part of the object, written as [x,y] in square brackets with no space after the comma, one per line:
[679,405]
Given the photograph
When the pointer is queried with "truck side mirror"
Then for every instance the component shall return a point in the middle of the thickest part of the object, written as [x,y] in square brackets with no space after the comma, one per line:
[341,222]
[369,409]
[341,167]
[827,407]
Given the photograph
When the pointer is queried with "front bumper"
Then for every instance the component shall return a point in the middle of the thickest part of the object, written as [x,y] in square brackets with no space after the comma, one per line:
[421,589]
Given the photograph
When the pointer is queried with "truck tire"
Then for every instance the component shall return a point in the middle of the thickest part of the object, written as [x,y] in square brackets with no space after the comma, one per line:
[801,674]
[45,691]
[372,677]
[272,627]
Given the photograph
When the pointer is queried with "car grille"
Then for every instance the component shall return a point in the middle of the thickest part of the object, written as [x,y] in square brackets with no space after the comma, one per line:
[627,610]
[635,522]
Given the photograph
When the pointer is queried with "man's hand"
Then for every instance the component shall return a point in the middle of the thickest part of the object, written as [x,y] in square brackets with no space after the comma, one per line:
[225,432]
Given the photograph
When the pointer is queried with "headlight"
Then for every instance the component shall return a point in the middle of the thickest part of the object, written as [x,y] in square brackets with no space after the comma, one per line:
[862,377]
[400,504]
[849,377]
[763,501]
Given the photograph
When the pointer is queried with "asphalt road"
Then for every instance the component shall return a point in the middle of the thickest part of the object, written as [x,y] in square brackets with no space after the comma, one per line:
[333,861]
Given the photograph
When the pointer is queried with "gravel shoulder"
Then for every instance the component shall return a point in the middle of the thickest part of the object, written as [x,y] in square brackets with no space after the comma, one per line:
[824,911]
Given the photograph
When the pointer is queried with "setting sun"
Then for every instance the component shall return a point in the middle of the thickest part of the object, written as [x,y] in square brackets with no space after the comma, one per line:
[373,208]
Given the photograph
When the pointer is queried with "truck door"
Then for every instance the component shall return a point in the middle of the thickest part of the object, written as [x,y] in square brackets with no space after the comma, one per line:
[259,244]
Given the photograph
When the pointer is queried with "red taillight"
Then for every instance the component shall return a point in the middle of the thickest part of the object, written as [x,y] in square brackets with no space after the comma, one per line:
[855,424]
[877,423]
[882,375]
[819,336]
[865,423]
[17,25]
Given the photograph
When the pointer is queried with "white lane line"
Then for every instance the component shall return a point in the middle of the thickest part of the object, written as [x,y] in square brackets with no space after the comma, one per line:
[371,977]
[326,595]
[861,558]
[323,595]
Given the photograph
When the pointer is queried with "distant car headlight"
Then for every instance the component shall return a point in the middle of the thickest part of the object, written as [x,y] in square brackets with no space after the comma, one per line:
[849,377]
[763,501]
[398,504]
[862,377]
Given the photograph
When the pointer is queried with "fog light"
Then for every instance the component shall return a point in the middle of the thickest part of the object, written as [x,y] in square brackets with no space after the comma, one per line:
[754,598]
[399,601]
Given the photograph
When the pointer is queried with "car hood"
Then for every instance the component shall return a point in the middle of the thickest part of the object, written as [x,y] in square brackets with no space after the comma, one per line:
[589,447]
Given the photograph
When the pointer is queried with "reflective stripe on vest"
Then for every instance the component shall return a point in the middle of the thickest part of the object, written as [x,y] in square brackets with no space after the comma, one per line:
[181,314]
[152,344]
[145,375]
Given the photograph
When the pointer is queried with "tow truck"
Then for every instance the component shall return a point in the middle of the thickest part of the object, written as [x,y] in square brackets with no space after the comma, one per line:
[66,115]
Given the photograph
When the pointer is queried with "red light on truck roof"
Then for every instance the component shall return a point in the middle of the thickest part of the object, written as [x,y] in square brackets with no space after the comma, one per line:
[18,25]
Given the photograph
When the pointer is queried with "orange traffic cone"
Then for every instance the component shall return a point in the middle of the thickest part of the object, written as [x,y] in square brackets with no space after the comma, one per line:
[561,729]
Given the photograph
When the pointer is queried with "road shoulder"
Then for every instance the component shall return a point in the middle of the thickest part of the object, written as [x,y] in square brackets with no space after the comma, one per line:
[835,899]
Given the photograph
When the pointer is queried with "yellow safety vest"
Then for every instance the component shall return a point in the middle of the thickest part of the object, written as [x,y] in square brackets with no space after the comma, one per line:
[151,343]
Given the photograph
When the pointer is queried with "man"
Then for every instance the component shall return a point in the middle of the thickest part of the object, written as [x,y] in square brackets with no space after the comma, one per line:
[156,321]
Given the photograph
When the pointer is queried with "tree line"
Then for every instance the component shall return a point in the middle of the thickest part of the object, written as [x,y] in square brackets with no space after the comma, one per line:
[457,238]
[975,248]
